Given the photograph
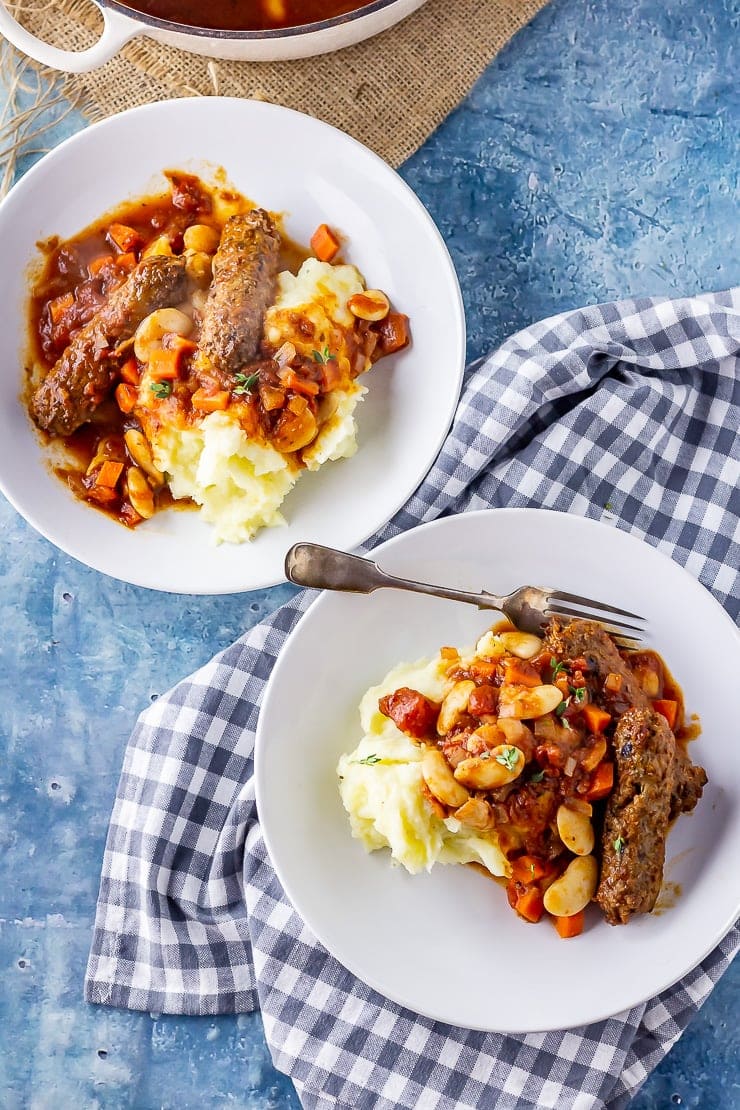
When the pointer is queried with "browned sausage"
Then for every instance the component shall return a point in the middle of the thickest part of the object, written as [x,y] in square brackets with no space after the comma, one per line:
[637,816]
[84,374]
[244,270]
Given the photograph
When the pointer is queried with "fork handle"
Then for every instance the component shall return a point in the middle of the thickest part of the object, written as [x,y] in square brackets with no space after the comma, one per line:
[325,568]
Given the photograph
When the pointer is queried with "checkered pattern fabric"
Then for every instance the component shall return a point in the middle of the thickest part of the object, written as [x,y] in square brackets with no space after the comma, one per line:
[632,406]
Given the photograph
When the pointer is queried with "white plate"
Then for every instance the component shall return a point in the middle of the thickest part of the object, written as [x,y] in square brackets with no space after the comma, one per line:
[446,944]
[313,173]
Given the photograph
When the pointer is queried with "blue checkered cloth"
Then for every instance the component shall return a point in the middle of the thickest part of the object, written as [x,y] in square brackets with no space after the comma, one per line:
[634,406]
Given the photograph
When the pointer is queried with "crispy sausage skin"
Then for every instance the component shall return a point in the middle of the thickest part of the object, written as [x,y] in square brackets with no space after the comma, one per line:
[244,270]
[84,374]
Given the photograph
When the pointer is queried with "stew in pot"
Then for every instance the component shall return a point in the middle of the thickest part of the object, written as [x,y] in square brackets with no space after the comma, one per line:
[244,15]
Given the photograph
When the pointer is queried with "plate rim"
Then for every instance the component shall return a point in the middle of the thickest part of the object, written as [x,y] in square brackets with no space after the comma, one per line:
[458,321]
[272,691]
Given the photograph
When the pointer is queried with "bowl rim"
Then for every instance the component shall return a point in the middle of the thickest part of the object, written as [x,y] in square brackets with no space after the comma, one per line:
[247,36]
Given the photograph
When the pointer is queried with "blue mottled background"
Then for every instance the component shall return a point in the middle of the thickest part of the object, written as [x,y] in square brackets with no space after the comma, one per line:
[597,158]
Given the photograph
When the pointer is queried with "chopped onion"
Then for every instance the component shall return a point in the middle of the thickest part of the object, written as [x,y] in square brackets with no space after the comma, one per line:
[285,355]
[570,765]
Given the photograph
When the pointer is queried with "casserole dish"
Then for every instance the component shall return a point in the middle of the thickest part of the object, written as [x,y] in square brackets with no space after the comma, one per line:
[121,24]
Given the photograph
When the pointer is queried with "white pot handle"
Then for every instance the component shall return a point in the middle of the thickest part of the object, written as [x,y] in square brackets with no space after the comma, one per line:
[117,30]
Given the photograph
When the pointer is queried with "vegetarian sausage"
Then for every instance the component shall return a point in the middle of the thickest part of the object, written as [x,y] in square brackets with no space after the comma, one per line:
[637,816]
[244,270]
[84,374]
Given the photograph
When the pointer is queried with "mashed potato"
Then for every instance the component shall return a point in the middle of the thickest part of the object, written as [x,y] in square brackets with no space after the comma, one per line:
[380,783]
[239,483]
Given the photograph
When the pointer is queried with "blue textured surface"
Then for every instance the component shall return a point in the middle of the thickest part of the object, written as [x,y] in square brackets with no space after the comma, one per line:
[597,158]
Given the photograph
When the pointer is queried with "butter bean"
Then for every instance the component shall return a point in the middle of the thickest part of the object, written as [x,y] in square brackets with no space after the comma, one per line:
[575,888]
[575,831]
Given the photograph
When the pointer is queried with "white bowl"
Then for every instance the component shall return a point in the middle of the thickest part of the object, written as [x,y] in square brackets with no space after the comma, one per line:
[121,24]
[411,396]
[446,944]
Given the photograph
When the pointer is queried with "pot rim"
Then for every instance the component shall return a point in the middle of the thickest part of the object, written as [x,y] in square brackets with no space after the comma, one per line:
[258,36]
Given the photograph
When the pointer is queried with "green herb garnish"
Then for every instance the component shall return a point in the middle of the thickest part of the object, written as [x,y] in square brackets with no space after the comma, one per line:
[608,506]
[556,667]
[579,694]
[161,389]
[508,756]
[323,356]
[560,709]
[369,760]
[537,776]
[619,844]
[245,383]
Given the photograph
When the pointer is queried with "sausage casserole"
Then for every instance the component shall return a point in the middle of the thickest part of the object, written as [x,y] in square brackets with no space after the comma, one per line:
[183,349]
[555,764]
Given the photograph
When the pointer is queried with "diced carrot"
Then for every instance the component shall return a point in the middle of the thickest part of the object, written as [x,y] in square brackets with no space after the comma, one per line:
[210,402]
[570,926]
[449,654]
[109,474]
[124,237]
[95,265]
[164,364]
[668,709]
[602,782]
[596,719]
[528,869]
[324,243]
[130,372]
[126,397]
[59,306]
[126,261]
[394,333]
[530,905]
[180,344]
[483,668]
[520,673]
[294,381]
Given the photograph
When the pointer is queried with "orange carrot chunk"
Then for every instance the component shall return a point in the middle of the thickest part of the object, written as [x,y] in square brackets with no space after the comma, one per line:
[602,782]
[668,709]
[109,474]
[126,261]
[95,265]
[324,243]
[210,402]
[530,905]
[126,397]
[596,719]
[520,673]
[59,306]
[124,237]
[130,372]
[294,381]
[164,364]
[570,926]
[528,869]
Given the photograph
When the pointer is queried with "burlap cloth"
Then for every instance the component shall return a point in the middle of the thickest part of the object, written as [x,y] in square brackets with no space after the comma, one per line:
[389,92]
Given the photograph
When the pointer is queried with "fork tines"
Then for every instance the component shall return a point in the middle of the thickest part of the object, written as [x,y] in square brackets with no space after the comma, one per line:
[561,604]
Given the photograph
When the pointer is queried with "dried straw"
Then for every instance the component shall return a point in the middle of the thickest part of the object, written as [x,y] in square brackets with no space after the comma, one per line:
[35,100]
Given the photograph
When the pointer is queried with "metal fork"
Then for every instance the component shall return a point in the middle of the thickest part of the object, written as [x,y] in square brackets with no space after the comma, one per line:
[529,607]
